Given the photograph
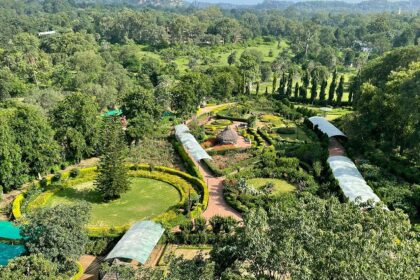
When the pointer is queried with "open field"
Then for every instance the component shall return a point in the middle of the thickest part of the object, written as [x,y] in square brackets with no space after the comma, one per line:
[145,199]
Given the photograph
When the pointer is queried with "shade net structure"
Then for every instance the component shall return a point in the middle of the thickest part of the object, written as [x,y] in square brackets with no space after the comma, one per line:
[350,180]
[189,142]
[138,242]
[9,231]
[326,127]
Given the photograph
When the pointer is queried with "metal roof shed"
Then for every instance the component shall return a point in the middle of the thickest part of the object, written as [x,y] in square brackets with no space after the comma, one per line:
[350,180]
[138,242]
[189,142]
[326,127]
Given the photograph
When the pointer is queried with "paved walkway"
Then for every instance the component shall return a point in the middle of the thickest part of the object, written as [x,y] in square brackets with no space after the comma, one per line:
[91,265]
[217,204]
[335,148]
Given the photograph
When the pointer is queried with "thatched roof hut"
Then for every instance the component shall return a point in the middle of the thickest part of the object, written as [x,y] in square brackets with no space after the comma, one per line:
[228,136]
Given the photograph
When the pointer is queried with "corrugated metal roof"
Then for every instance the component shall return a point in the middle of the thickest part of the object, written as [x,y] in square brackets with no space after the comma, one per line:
[190,143]
[138,242]
[350,180]
[326,127]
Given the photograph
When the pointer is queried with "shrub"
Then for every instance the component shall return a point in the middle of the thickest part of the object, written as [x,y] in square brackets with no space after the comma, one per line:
[79,273]
[56,177]
[214,169]
[17,205]
[190,165]
[74,172]
[286,130]
[98,246]
[200,224]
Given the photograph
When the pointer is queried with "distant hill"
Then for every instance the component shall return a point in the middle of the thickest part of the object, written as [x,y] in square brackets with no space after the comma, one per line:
[315,5]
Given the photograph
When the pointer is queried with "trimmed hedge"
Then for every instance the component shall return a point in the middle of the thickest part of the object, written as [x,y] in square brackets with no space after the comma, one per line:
[79,273]
[266,137]
[219,116]
[214,169]
[199,183]
[190,165]
[107,231]
[16,206]
[227,150]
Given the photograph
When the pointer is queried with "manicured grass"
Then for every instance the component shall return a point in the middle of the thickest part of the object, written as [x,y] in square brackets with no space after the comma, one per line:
[146,199]
[280,186]
[275,120]
[335,113]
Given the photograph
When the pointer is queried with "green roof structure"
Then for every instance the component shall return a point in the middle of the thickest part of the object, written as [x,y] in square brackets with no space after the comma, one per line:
[113,113]
[138,242]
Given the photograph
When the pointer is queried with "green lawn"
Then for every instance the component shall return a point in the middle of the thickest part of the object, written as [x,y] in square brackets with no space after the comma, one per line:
[335,113]
[280,186]
[146,199]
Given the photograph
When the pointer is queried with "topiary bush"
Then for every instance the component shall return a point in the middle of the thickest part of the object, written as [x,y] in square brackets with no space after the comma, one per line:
[74,172]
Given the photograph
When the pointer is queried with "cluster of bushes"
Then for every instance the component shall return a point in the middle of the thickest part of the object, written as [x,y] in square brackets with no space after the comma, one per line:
[259,141]
[266,136]
[394,192]
[189,163]
[307,112]
[319,102]
[198,232]
[99,246]
[230,118]
[227,150]
[244,201]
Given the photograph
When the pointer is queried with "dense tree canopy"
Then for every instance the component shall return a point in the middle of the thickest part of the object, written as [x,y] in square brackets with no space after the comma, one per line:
[57,232]
[309,238]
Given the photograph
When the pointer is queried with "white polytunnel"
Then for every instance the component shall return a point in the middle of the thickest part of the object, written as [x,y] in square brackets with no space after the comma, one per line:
[350,180]
[326,127]
[189,142]
[138,242]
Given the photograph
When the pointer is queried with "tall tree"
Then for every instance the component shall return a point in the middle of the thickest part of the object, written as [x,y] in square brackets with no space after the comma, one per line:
[76,122]
[112,179]
[296,90]
[57,232]
[314,89]
[322,93]
[289,85]
[340,90]
[12,172]
[274,84]
[232,58]
[141,111]
[333,85]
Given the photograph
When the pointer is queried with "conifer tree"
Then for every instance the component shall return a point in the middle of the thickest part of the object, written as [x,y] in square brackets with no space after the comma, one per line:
[274,84]
[258,88]
[332,87]
[302,92]
[296,90]
[323,89]
[289,85]
[340,91]
[112,179]
[314,90]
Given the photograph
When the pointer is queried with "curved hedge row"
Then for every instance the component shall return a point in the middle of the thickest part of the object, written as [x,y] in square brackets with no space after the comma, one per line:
[182,181]
[79,273]
[16,206]
[199,183]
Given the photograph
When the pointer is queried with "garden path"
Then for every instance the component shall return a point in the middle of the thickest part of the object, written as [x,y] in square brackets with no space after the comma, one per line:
[217,204]
[335,148]
[91,265]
